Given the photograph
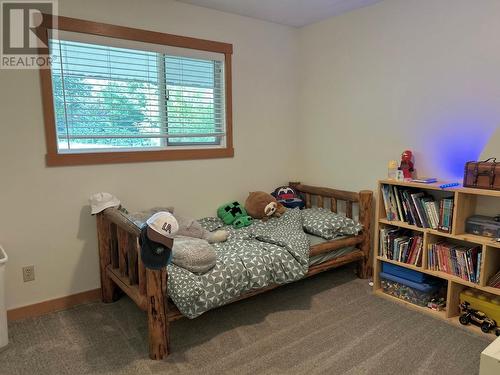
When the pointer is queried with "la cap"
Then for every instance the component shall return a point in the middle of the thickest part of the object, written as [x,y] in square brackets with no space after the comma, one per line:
[162,227]
[153,254]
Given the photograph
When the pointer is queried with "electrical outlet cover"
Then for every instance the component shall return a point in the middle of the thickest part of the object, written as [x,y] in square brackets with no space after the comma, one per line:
[29,273]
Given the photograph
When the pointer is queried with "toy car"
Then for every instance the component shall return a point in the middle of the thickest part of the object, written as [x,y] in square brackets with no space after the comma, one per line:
[469,315]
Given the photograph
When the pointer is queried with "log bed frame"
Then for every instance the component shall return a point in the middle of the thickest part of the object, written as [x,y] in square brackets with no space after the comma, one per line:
[122,269]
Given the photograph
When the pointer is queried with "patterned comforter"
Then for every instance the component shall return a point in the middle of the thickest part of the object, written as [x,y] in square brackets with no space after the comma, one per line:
[275,252]
[265,253]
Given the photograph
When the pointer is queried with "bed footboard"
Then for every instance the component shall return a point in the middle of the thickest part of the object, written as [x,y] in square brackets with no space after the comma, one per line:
[122,270]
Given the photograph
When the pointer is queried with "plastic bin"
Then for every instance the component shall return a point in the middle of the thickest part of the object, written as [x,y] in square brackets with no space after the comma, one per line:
[405,273]
[4,337]
[485,302]
[417,293]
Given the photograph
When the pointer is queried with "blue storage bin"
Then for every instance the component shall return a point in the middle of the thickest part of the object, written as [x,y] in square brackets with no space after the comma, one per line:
[417,293]
[405,273]
[421,287]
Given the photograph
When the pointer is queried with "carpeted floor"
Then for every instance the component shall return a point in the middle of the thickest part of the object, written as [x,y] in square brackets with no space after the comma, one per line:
[328,324]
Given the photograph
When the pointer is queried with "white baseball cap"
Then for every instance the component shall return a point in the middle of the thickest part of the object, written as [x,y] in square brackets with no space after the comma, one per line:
[100,201]
[162,227]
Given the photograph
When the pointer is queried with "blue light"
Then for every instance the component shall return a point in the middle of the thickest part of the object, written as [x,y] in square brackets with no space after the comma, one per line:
[455,141]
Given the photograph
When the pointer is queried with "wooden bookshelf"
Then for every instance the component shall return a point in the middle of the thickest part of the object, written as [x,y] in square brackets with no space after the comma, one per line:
[465,200]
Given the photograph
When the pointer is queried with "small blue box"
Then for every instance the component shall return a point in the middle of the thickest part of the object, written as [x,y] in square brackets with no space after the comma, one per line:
[405,273]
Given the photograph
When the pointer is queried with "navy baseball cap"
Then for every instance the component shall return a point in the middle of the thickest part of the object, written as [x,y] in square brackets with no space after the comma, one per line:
[156,240]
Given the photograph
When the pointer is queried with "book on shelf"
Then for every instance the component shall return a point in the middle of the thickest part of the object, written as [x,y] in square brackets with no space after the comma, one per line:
[416,207]
[461,261]
[446,214]
[425,180]
[494,281]
[401,245]
[389,203]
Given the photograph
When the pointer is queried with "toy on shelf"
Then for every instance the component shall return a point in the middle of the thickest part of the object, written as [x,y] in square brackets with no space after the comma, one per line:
[407,166]
[392,169]
[483,304]
[437,304]
[479,318]
[450,185]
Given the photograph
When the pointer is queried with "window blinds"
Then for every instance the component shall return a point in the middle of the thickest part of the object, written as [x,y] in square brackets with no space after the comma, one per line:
[113,99]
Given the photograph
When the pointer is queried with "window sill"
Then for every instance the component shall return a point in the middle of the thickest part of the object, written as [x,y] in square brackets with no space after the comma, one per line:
[59,160]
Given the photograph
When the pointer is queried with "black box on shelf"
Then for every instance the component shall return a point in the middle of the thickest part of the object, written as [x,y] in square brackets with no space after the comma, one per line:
[483,226]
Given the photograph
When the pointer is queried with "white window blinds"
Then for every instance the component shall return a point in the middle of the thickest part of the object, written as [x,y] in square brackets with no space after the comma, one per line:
[109,98]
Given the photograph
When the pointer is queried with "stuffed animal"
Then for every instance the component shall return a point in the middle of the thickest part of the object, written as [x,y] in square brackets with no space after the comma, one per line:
[288,197]
[234,214]
[191,228]
[261,205]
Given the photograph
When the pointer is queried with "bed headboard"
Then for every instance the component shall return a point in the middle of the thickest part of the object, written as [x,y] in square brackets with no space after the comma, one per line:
[322,195]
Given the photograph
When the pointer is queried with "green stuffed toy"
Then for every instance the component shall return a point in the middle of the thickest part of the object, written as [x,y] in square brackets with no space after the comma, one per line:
[234,213]
[243,221]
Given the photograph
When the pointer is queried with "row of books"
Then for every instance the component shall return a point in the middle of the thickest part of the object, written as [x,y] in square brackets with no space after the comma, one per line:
[495,280]
[457,260]
[401,245]
[417,208]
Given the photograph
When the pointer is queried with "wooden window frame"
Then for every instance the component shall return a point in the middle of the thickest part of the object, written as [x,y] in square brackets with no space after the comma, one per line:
[53,158]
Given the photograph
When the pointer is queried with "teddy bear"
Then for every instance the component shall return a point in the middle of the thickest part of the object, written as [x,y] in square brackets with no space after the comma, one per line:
[261,205]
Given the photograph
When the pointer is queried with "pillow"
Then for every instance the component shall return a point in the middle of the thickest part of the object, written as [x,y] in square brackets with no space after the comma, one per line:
[327,224]
[193,254]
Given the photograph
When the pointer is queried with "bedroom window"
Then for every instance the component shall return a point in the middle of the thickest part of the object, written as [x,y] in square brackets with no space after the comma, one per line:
[122,100]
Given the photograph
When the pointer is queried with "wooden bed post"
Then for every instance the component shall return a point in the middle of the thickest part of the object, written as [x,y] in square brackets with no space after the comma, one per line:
[365,213]
[109,292]
[157,313]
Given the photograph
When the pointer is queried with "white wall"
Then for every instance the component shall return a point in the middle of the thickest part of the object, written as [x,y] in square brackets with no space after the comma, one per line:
[44,217]
[417,74]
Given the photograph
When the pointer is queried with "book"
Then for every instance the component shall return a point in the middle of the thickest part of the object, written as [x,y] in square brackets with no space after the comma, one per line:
[479,266]
[416,207]
[425,180]
[413,211]
[398,203]
[416,198]
[401,245]
[461,261]
[446,215]
[388,202]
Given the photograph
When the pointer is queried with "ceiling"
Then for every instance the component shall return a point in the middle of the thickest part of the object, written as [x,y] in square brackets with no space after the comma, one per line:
[295,13]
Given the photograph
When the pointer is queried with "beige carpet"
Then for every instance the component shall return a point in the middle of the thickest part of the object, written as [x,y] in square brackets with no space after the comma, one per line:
[328,324]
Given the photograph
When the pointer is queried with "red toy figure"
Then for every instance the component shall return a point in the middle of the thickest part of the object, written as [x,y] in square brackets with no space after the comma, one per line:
[406,164]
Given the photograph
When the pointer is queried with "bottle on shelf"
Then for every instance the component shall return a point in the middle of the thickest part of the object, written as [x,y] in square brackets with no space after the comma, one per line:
[392,170]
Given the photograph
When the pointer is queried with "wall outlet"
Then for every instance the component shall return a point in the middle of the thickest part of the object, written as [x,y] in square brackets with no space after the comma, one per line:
[29,273]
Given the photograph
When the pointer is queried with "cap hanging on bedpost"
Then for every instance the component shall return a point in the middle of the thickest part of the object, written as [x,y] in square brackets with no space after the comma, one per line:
[157,239]
[100,201]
